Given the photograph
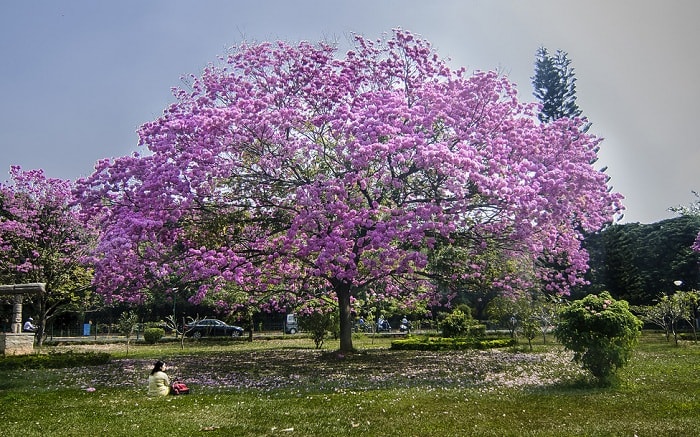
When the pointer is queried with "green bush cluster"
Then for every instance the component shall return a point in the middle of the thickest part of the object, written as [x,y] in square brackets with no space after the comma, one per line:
[54,360]
[476,330]
[460,324]
[443,343]
[152,335]
[601,331]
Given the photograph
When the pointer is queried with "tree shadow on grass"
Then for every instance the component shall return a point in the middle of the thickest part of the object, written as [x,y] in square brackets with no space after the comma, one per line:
[578,384]
[307,370]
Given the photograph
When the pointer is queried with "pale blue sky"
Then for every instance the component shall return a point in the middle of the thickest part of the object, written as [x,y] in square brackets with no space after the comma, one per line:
[78,77]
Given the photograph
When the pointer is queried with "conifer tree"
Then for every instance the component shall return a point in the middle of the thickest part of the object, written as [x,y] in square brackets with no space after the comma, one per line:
[554,85]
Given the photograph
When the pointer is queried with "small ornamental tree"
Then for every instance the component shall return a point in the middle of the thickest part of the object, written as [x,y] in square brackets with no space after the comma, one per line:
[545,310]
[127,324]
[669,310]
[672,308]
[530,329]
[601,331]
[689,303]
[510,311]
[317,318]
[286,165]
[656,315]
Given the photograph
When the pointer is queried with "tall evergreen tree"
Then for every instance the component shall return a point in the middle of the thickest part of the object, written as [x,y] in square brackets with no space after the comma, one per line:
[554,85]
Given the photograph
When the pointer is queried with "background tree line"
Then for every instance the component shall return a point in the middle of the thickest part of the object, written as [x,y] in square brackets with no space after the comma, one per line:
[639,262]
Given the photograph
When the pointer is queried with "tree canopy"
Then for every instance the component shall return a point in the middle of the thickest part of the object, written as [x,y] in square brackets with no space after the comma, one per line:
[42,239]
[284,168]
[636,262]
[691,210]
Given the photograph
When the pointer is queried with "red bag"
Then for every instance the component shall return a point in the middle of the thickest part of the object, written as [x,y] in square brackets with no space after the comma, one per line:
[179,388]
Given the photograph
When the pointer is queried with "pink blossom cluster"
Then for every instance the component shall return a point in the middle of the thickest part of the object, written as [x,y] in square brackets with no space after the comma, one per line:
[286,166]
[42,238]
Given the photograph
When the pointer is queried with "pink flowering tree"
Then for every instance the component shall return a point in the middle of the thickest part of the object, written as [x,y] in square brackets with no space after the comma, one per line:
[42,239]
[285,167]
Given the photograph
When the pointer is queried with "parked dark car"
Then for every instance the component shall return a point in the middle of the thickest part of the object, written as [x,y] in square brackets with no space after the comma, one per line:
[212,327]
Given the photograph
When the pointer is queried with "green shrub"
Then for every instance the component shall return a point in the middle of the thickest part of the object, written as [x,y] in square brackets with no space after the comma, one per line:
[476,330]
[460,324]
[600,331]
[455,324]
[466,309]
[54,360]
[152,335]
[318,324]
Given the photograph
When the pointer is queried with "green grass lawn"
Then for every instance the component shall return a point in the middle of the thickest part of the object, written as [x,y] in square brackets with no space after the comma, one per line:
[285,387]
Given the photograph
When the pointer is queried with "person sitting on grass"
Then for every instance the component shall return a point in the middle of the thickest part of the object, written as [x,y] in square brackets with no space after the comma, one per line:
[158,381]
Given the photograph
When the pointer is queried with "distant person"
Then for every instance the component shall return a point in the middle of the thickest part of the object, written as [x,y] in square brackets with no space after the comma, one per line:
[383,324]
[405,325]
[158,381]
[29,326]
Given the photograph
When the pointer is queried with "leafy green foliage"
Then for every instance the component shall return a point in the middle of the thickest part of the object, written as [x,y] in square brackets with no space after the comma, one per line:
[601,331]
[319,324]
[509,312]
[635,262]
[127,323]
[152,335]
[669,311]
[442,343]
[451,260]
[530,329]
[456,324]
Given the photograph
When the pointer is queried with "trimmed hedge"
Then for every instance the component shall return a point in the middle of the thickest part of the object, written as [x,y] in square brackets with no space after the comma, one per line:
[153,335]
[443,343]
[54,360]
[476,330]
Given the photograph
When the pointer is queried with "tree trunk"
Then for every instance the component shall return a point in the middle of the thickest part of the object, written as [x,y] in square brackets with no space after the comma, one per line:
[41,326]
[343,293]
